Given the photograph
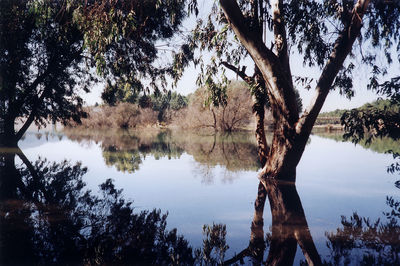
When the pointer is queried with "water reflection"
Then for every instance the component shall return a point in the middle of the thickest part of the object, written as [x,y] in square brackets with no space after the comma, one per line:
[126,149]
[379,145]
[361,241]
[289,229]
[46,213]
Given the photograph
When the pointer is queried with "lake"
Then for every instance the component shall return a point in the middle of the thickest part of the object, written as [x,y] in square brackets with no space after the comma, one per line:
[198,180]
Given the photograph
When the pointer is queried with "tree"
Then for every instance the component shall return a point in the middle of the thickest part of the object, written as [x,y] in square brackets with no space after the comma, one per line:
[233,114]
[164,102]
[48,49]
[41,53]
[128,39]
[324,34]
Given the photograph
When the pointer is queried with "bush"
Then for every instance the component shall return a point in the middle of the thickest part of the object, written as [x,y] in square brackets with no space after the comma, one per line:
[234,115]
[123,115]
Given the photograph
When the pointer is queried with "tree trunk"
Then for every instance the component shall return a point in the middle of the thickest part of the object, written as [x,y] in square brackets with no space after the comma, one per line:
[257,245]
[8,137]
[262,144]
[291,133]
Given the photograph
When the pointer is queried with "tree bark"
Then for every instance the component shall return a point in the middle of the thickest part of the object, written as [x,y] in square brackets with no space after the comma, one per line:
[8,176]
[281,92]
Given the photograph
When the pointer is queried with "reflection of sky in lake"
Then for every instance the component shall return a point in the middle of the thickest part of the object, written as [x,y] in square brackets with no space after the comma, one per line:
[333,179]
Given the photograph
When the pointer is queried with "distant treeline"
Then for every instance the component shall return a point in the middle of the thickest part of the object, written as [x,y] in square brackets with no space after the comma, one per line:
[124,109]
[333,117]
[379,104]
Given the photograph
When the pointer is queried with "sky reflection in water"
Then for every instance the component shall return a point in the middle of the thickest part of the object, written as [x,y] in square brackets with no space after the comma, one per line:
[201,180]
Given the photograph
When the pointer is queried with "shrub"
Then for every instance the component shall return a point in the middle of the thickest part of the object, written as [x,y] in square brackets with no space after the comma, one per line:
[123,115]
[234,115]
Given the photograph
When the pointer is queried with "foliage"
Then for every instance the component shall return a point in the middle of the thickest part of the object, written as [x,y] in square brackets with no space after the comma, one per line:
[119,92]
[378,241]
[49,49]
[379,119]
[163,102]
[126,150]
[214,245]
[335,113]
[127,38]
[41,53]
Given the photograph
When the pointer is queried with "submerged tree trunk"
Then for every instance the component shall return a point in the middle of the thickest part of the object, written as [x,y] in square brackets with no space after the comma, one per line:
[289,228]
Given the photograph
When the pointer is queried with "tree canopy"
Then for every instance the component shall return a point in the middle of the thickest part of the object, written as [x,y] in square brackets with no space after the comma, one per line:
[48,50]
[41,53]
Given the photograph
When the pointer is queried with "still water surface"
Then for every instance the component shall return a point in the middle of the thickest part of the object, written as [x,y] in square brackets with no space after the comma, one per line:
[201,180]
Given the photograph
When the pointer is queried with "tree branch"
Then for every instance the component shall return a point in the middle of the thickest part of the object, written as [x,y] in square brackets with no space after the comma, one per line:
[240,73]
[32,115]
[51,68]
[239,257]
[281,89]
[32,87]
[340,51]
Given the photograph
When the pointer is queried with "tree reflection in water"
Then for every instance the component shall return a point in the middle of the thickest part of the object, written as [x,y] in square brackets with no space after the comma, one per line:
[46,212]
[358,242]
[125,150]
[47,217]
[289,229]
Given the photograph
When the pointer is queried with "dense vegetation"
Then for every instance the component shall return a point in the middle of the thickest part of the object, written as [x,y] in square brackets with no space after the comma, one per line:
[338,116]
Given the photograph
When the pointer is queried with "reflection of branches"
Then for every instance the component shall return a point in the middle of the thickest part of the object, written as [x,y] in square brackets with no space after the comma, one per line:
[257,244]
[205,172]
[378,242]
[54,220]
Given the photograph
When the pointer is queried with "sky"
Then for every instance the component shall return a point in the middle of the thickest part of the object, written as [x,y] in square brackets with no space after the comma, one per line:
[334,101]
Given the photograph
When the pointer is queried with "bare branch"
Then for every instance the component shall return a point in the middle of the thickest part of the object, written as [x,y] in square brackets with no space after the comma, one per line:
[240,73]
